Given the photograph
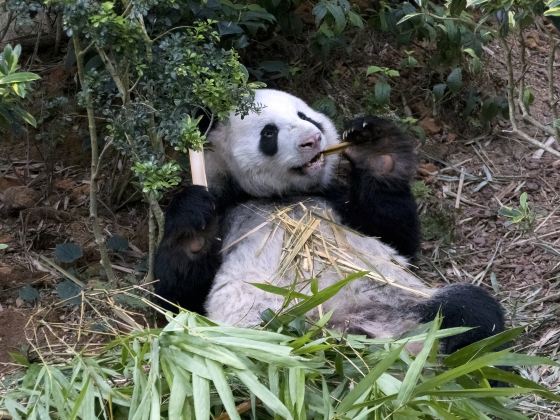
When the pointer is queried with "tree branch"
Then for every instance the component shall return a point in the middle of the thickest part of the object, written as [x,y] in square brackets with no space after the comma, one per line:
[93,213]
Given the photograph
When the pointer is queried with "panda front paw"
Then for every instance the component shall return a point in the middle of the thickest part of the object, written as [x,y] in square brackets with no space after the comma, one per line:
[191,221]
[380,147]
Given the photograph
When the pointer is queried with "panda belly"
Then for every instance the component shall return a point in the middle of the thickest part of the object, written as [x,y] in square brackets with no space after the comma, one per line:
[256,249]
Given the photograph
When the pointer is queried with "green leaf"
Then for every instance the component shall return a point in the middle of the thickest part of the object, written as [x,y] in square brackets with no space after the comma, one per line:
[439,90]
[117,243]
[282,291]
[312,302]
[455,79]
[29,294]
[473,365]
[456,7]
[478,348]
[21,77]
[3,247]
[263,393]
[555,11]
[365,385]
[19,358]
[382,92]
[523,200]
[374,69]
[517,380]
[408,17]
[178,393]
[338,15]
[69,292]
[355,19]
[68,252]
[415,369]
[201,397]
[528,97]
[224,391]
[24,115]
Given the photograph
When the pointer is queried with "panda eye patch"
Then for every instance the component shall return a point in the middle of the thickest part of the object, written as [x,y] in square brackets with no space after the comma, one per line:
[304,117]
[268,143]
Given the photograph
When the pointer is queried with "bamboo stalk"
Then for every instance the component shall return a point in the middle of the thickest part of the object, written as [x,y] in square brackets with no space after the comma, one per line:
[198,169]
[336,148]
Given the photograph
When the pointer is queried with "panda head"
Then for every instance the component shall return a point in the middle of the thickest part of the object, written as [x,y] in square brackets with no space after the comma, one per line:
[275,151]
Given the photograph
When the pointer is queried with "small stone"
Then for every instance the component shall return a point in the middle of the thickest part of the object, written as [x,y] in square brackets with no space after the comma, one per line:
[19,198]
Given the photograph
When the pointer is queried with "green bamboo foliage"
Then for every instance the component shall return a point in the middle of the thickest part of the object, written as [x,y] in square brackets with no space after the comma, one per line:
[195,369]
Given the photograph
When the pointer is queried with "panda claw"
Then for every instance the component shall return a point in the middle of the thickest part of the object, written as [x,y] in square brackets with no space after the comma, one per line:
[364,124]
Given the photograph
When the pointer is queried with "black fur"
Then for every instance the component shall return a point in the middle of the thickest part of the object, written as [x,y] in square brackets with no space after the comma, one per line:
[311,120]
[464,305]
[194,215]
[269,140]
[186,276]
[377,200]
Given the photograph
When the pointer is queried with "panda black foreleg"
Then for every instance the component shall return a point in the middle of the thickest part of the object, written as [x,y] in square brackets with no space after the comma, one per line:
[188,257]
[464,305]
[378,200]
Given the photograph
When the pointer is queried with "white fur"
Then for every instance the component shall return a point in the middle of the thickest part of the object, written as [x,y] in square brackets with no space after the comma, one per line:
[381,310]
[236,147]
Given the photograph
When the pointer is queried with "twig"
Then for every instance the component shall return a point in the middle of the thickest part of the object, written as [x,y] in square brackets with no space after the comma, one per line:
[524,111]
[241,409]
[511,103]
[62,271]
[460,189]
[4,415]
[511,87]
[93,213]
[151,245]
[8,23]
[553,103]
[537,143]
[37,41]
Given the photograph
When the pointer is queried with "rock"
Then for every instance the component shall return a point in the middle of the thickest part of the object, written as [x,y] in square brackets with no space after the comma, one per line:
[430,125]
[19,198]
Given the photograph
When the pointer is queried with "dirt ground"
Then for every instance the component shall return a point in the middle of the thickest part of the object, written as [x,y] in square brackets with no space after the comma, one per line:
[44,197]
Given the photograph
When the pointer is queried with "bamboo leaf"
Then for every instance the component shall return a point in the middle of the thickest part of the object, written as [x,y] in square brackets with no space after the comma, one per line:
[483,361]
[365,385]
[483,346]
[263,393]
[180,388]
[201,397]
[281,291]
[312,302]
[79,401]
[415,369]
[224,391]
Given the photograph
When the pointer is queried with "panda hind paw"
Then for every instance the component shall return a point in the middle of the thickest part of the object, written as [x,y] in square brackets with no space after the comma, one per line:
[465,305]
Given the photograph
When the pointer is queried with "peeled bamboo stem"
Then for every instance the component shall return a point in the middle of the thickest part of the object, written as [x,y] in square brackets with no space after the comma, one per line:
[198,169]
[336,148]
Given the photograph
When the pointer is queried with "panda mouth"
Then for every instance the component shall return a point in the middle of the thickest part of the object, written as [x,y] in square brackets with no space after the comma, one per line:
[316,163]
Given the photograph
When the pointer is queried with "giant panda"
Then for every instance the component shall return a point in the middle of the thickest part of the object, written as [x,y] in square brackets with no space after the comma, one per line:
[218,241]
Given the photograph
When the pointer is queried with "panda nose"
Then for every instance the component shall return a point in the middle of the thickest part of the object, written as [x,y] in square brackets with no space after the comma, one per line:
[311,142]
